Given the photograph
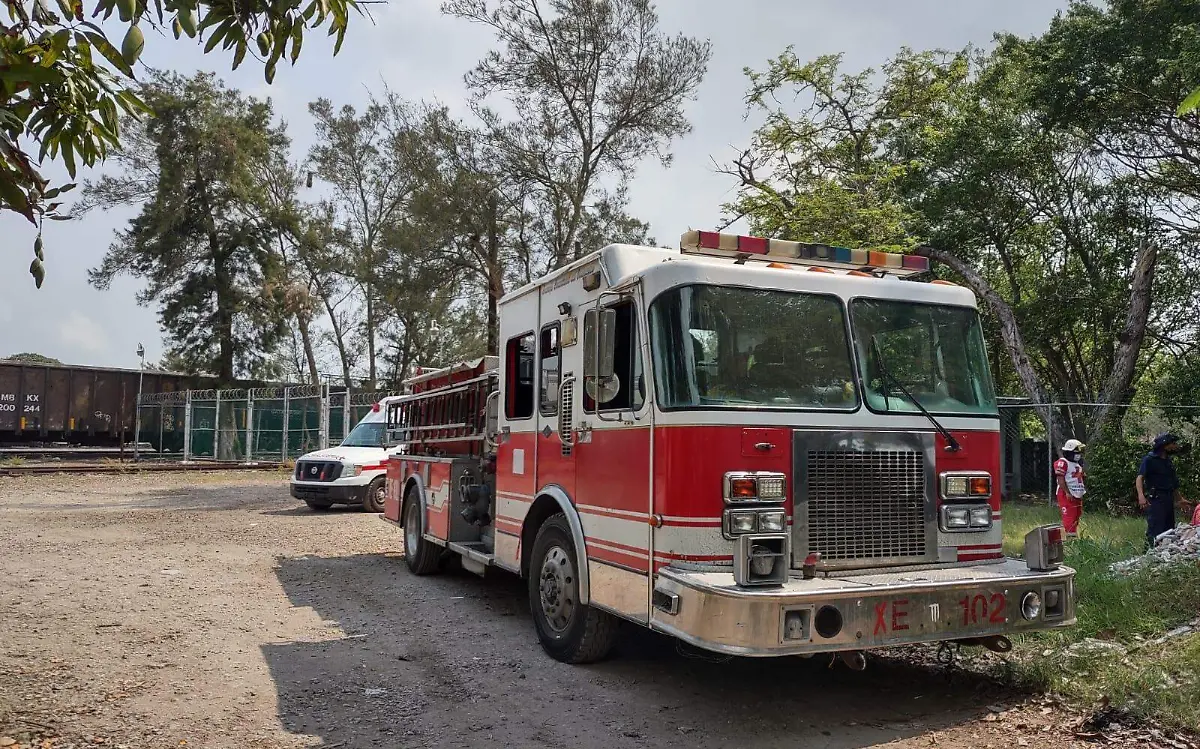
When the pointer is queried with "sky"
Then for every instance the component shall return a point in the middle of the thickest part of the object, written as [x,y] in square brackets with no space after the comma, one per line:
[421,54]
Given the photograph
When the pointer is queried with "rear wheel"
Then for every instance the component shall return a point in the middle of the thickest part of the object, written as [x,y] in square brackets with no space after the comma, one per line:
[317,505]
[375,496]
[569,631]
[420,555]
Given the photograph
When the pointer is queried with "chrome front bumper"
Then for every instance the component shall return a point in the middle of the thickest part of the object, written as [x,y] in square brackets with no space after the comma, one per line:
[872,611]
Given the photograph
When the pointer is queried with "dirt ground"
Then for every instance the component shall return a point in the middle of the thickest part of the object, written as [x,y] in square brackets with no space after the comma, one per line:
[212,610]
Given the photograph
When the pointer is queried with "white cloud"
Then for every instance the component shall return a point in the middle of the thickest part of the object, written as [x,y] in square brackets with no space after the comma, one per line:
[82,333]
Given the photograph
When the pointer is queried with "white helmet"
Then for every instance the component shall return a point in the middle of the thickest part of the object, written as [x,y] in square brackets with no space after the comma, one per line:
[1073,446]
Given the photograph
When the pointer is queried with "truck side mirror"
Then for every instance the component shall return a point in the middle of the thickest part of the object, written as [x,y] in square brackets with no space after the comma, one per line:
[599,353]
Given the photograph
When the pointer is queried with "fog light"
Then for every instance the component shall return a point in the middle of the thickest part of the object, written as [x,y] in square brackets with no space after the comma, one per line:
[1031,606]
[773,522]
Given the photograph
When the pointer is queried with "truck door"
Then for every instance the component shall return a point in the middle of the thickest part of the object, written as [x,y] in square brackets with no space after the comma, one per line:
[560,384]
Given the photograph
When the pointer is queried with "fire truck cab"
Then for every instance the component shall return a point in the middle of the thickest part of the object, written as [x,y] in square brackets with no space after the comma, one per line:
[760,447]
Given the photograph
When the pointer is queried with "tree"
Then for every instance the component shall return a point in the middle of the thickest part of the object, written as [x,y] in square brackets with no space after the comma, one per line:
[598,87]
[363,158]
[199,240]
[31,358]
[65,85]
[945,157]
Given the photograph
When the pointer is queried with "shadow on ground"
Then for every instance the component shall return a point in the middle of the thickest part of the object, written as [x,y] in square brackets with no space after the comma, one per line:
[452,660]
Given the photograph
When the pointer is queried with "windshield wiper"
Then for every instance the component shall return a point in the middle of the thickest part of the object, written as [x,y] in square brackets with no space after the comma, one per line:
[951,443]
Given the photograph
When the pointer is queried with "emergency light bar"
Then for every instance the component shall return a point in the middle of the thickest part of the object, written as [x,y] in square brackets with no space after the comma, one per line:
[816,256]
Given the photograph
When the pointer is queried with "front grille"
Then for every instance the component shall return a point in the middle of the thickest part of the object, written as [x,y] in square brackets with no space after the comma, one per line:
[866,505]
[314,470]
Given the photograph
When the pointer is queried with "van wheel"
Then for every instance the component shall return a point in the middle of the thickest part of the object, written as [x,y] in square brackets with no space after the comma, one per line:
[375,495]
[317,505]
[420,555]
[569,631]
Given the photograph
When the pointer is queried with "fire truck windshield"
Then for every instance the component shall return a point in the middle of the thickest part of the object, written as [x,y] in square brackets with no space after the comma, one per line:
[733,347]
[366,434]
[935,352]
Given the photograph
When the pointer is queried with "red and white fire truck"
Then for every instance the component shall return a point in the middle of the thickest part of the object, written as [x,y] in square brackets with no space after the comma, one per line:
[760,447]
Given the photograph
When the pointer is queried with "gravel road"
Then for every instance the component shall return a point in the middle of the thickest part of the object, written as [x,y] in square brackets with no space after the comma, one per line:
[211,610]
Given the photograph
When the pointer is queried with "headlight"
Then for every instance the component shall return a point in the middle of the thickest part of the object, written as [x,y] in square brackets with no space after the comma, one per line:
[956,517]
[773,521]
[1031,606]
[353,470]
[742,522]
[981,517]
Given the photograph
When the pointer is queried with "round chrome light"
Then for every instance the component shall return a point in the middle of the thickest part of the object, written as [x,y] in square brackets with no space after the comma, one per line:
[1031,605]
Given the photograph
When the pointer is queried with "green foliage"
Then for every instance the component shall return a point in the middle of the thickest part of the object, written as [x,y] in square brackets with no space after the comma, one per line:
[64,86]
[1112,464]
[31,358]
[1157,681]
[204,237]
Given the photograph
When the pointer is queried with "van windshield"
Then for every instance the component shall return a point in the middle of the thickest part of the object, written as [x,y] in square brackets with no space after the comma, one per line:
[935,351]
[367,434]
[731,347]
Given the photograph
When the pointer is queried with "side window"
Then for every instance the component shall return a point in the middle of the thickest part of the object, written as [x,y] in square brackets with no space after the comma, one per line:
[627,365]
[551,366]
[518,377]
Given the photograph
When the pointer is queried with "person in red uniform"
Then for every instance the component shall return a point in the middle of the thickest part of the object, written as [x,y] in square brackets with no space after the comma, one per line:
[1070,476]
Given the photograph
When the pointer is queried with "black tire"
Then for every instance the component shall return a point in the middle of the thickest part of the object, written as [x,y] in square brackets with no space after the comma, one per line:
[420,555]
[317,505]
[375,495]
[568,630]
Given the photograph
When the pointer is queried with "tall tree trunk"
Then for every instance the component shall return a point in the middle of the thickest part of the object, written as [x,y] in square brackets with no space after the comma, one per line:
[302,322]
[1129,342]
[370,330]
[495,278]
[224,290]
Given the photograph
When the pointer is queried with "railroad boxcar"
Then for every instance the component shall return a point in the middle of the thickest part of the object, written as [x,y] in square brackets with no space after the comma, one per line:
[91,406]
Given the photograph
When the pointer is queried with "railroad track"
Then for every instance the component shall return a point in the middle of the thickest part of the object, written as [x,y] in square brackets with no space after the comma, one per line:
[132,468]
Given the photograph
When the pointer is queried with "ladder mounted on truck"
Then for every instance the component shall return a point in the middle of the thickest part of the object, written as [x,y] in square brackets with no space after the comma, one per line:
[447,412]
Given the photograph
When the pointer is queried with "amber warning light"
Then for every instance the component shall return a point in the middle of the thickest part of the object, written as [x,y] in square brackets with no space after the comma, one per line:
[815,256]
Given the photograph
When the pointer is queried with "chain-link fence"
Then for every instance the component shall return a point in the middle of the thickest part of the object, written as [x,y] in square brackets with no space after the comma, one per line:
[1117,436]
[248,425]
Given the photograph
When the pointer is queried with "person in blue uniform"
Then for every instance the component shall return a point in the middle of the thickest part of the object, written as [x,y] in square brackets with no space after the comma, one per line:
[1158,487]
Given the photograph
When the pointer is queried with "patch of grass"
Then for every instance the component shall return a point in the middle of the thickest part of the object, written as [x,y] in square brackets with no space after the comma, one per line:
[13,461]
[1152,681]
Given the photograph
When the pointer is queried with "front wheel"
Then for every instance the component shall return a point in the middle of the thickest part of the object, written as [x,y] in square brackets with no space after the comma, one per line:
[375,496]
[420,555]
[569,631]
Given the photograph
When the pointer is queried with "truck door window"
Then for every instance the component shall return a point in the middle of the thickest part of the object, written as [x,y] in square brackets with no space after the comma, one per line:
[518,377]
[551,366]
[627,365]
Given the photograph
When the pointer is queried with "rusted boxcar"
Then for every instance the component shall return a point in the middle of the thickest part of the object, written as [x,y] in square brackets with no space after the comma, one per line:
[77,405]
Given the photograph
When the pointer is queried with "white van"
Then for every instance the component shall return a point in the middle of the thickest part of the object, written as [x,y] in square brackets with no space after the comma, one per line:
[350,474]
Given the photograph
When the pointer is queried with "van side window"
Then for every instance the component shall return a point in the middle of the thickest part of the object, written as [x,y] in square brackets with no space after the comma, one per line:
[627,365]
[518,377]
[551,365]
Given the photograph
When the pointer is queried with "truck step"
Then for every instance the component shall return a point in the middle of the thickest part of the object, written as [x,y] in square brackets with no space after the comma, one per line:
[476,557]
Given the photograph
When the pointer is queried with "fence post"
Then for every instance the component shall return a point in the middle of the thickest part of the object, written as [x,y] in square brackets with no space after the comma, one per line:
[323,416]
[249,425]
[286,417]
[346,414]
[187,427]
[137,425]
[217,429]
[1050,454]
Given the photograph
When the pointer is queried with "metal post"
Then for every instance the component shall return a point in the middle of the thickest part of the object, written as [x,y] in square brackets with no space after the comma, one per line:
[249,426]
[137,411]
[187,427]
[1050,454]
[217,430]
[323,416]
[286,415]
[346,415]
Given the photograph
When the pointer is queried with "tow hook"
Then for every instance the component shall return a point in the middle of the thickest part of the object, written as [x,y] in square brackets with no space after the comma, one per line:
[856,660]
[995,643]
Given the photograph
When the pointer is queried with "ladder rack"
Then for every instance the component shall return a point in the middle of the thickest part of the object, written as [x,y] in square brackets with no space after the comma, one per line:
[449,420]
